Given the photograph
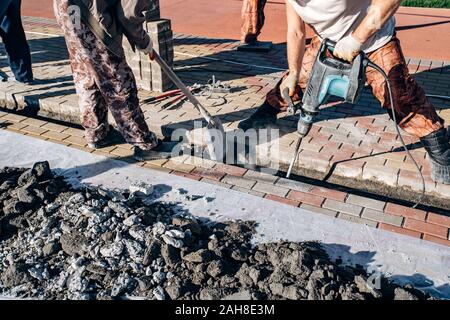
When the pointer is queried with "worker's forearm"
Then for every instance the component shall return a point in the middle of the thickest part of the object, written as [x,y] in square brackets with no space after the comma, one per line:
[296,42]
[379,13]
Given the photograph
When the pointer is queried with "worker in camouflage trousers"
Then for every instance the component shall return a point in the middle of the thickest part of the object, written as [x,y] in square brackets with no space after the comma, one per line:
[252,20]
[369,26]
[103,80]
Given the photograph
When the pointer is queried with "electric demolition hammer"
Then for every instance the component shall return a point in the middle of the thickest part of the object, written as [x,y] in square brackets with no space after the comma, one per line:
[333,77]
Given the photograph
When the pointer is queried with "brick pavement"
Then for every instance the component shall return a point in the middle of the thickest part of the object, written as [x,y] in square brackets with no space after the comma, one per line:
[353,146]
[430,224]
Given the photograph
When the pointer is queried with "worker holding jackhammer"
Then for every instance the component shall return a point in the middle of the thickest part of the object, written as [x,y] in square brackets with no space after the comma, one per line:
[93,30]
[369,26]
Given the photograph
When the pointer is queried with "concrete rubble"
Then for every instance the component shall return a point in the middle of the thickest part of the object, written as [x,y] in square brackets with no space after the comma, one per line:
[58,242]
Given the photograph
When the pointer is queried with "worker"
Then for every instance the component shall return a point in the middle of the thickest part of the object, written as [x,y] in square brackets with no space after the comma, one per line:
[13,36]
[252,20]
[369,26]
[103,79]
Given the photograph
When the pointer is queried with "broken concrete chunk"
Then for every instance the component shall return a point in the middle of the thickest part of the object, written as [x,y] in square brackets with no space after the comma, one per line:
[141,188]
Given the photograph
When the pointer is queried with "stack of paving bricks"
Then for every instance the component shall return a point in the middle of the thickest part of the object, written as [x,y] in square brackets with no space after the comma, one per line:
[149,75]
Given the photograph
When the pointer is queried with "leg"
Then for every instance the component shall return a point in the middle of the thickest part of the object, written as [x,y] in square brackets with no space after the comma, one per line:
[252,20]
[93,111]
[118,86]
[414,112]
[16,45]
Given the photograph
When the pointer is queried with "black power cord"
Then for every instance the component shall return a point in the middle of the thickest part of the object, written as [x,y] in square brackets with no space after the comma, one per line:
[381,71]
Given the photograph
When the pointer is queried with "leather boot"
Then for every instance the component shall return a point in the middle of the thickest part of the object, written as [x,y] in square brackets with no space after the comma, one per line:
[438,147]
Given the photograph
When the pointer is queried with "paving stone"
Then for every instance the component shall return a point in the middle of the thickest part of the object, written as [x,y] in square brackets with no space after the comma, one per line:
[53,135]
[76,141]
[438,219]
[306,198]
[33,130]
[54,127]
[315,209]
[406,232]
[179,166]
[366,202]
[229,169]
[216,183]
[342,207]
[383,174]
[352,218]
[294,185]
[329,193]
[270,189]
[238,181]
[208,173]
[251,192]
[438,240]
[282,200]
[427,228]
[250,174]
[382,217]
[403,211]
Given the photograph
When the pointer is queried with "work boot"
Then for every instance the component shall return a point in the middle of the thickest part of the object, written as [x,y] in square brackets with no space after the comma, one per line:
[104,142]
[162,151]
[261,118]
[438,147]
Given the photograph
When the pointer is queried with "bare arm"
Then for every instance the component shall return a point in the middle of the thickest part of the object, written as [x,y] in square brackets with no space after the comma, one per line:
[381,11]
[296,40]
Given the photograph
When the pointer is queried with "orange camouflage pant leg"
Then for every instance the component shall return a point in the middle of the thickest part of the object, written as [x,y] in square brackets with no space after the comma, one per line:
[252,19]
[414,112]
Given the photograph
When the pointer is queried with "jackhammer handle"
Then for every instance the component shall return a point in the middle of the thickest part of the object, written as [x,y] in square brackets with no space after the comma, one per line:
[286,97]
[169,72]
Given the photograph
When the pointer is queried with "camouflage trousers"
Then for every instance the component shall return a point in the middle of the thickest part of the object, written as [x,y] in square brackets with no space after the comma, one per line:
[414,112]
[102,81]
[252,19]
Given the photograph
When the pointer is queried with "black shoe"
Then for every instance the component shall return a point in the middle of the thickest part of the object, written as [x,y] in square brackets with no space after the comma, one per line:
[105,142]
[162,151]
[263,116]
[438,147]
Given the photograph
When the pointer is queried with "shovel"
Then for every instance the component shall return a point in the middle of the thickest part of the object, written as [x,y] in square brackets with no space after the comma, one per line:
[213,122]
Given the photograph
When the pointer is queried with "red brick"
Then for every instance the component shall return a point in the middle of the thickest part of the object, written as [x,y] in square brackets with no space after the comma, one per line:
[329,193]
[436,240]
[283,200]
[399,230]
[438,219]
[186,175]
[208,173]
[306,198]
[233,170]
[403,211]
[428,228]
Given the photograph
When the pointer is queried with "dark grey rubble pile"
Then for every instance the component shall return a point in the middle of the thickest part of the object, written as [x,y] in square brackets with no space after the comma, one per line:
[60,243]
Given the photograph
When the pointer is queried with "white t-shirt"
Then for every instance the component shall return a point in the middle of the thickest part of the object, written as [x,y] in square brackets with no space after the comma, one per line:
[335,19]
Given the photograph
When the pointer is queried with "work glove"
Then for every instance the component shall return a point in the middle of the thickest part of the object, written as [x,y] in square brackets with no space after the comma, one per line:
[290,82]
[149,49]
[347,48]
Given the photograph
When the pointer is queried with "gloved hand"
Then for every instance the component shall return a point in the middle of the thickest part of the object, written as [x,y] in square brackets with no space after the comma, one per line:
[149,49]
[347,48]
[290,82]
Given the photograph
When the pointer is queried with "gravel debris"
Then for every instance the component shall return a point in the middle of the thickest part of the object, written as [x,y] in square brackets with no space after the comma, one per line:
[57,242]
